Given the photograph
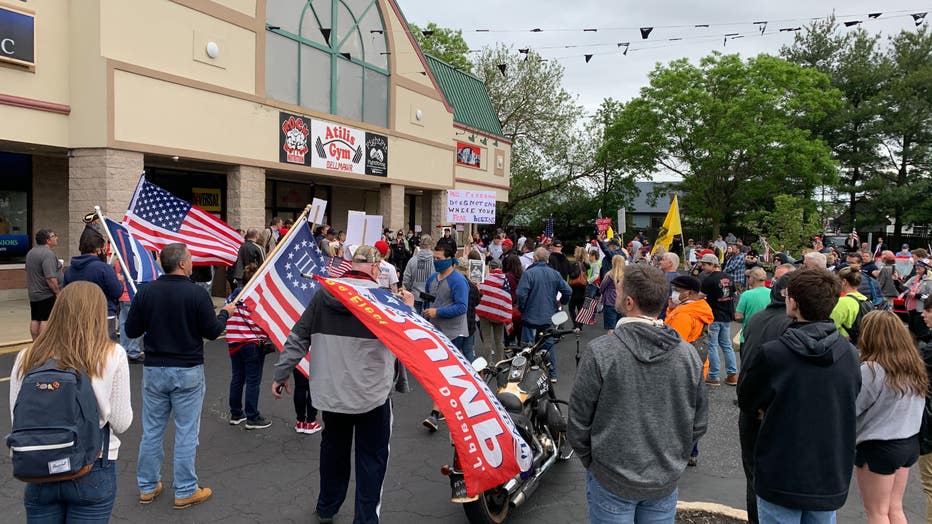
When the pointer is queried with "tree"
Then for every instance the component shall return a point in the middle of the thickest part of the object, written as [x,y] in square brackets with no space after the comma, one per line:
[736,131]
[443,43]
[788,226]
[907,132]
[859,70]
[539,116]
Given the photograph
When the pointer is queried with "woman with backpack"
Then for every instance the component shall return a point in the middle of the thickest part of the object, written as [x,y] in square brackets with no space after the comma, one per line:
[76,338]
[889,408]
[852,306]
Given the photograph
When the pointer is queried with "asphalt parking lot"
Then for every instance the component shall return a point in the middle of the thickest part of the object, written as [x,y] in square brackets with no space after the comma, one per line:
[271,475]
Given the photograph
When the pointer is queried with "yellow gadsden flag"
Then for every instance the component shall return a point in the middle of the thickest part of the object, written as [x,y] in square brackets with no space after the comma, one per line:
[671,227]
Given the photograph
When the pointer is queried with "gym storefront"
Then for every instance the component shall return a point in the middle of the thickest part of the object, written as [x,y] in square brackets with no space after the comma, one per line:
[197,101]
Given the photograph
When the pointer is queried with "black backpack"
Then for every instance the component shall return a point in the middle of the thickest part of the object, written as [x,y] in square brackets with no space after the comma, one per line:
[864,307]
[56,426]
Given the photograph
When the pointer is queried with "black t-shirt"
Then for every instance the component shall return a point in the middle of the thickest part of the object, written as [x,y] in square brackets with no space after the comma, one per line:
[719,292]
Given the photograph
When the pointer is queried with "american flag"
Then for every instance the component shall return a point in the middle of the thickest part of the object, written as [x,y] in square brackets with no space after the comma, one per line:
[336,266]
[158,218]
[277,296]
[586,314]
[548,227]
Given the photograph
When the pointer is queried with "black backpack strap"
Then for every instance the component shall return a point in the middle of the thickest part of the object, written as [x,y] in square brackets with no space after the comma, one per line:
[105,449]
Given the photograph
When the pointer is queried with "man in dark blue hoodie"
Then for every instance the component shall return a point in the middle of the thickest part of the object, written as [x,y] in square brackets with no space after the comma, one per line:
[91,266]
[803,386]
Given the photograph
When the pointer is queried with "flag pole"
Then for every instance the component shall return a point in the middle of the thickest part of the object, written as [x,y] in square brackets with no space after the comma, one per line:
[126,273]
[278,244]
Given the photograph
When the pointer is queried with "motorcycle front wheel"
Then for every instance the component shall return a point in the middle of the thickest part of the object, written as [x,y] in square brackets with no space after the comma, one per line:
[490,508]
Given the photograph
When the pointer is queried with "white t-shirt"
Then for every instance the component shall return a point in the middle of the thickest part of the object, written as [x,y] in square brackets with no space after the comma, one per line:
[112,392]
[388,275]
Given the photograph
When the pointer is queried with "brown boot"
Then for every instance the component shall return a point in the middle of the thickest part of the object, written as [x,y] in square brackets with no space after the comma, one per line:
[197,497]
[147,498]
[731,380]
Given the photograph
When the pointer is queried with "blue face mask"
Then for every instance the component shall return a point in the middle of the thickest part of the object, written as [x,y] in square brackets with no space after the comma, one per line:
[442,265]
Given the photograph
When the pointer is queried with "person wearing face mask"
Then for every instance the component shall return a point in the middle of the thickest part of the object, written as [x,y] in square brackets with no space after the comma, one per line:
[91,266]
[175,315]
[690,315]
[447,311]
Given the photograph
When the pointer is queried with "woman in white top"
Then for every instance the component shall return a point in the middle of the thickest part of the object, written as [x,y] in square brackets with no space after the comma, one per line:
[889,414]
[76,336]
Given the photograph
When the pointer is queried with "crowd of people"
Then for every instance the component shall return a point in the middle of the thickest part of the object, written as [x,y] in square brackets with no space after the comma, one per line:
[821,328]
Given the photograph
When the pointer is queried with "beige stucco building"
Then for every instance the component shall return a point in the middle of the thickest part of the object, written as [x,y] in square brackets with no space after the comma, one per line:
[198,95]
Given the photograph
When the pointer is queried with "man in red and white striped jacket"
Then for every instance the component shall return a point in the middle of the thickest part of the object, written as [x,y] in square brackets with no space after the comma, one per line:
[494,312]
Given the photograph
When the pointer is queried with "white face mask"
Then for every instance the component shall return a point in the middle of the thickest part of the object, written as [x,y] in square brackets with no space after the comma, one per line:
[675,297]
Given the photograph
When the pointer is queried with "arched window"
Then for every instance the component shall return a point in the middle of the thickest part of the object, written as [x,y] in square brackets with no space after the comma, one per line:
[329,56]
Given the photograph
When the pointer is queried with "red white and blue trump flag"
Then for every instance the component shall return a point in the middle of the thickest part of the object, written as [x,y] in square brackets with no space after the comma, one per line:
[490,449]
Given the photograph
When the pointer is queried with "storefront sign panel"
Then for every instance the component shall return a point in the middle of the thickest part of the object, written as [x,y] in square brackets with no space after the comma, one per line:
[207,199]
[468,155]
[335,147]
[470,207]
[17,37]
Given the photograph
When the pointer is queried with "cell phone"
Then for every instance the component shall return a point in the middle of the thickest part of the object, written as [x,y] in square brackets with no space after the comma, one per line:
[280,388]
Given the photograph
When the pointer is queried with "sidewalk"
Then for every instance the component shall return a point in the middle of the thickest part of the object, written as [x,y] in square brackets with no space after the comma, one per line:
[14,323]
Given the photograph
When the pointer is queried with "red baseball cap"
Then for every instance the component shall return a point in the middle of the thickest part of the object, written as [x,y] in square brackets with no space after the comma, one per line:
[382,247]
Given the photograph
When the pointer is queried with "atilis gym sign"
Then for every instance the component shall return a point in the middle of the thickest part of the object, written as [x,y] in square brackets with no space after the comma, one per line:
[17,37]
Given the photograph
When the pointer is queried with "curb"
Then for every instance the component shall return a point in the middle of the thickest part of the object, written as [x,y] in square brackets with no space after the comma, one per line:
[718,509]
[13,346]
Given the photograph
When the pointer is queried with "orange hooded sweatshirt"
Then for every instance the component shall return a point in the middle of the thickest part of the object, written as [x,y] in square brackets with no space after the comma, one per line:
[689,319]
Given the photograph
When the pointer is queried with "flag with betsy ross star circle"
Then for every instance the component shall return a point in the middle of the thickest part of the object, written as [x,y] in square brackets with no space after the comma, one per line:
[157,218]
[278,294]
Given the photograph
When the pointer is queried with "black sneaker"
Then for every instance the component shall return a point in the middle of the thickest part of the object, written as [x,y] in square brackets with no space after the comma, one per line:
[323,520]
[432,422]
[237,420]
[440,417]
[258,423]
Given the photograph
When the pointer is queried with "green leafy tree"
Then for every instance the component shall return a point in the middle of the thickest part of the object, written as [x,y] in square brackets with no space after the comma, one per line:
[539,116]
[443,43]
[737,132]
[856,67]
[788,226]
[907,132]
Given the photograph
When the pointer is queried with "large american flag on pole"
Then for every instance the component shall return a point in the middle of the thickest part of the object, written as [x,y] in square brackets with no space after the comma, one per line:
[157,218]
[278,294]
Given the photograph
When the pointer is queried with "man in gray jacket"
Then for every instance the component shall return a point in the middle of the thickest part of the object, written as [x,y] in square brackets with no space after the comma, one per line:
[351,379]
[638,406]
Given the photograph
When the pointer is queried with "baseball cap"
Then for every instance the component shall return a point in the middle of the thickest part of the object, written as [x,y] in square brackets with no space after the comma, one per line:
[508,242]
[925,262]
[613,241]
[556,242]
[687,282]
[495,264]
[382,246]
[709,259]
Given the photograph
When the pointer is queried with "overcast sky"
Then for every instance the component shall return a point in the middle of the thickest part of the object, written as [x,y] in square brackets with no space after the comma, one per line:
[609,73]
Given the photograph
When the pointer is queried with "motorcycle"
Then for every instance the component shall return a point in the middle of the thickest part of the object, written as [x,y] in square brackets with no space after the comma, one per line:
[522,385]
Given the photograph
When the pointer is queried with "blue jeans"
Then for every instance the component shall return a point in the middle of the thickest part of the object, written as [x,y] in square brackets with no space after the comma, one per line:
[607,508]
[133,346]
[529,335]
[179,393]
[609,316]
[769,513]
[87,499]
[720,336]
[246,365]
[465,346]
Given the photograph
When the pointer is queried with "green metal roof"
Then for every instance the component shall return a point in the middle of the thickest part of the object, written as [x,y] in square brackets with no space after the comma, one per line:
[468,96]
